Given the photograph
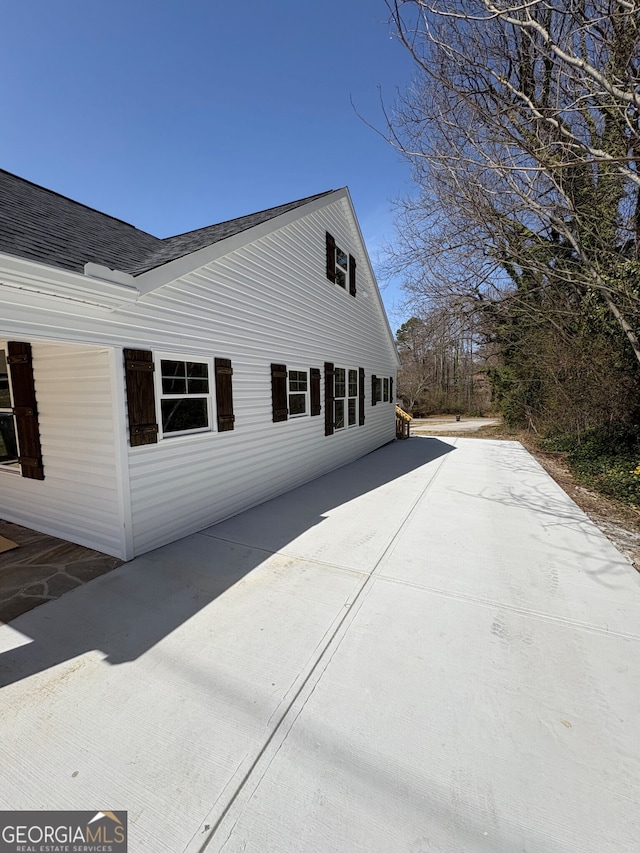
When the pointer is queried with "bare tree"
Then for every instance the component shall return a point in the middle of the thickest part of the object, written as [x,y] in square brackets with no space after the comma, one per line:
[442,366]
[414,375]
[523,130]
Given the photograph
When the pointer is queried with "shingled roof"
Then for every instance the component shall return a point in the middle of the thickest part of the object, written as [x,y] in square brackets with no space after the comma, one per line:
[44,226]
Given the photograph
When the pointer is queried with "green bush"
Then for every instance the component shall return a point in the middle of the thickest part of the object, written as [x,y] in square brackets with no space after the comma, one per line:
[606,459]
[559,443]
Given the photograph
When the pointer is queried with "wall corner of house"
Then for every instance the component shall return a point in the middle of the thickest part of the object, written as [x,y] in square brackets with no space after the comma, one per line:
[122,453]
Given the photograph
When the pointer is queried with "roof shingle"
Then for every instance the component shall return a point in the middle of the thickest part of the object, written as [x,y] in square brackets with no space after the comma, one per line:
[44,226]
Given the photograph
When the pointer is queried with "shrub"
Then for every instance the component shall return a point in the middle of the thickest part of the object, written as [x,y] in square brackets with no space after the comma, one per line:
[606,459]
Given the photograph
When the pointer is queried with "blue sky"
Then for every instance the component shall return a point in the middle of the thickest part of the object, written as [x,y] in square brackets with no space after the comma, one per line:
[174,115]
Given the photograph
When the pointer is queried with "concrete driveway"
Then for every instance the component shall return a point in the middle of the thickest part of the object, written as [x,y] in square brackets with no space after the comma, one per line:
[432,649]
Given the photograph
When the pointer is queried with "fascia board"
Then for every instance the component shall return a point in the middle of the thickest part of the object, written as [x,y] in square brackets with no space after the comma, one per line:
[373,277]
[31,276]
[155,278]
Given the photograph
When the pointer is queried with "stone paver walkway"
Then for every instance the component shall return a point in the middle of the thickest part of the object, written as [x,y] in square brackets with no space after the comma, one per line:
[43,568]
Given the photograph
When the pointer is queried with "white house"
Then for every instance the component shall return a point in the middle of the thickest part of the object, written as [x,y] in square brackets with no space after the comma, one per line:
[151,387]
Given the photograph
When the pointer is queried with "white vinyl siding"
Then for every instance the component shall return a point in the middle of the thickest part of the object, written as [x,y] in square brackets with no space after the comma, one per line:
[268,301]
[79,498]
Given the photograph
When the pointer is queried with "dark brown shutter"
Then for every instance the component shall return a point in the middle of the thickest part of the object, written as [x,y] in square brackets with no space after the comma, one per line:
[328,398]
[141,404]
[25,409]
[224,394]
[374,389]
[361,397]
[331,258]
[391,389]
[352,275]
[316,408]
[279,392]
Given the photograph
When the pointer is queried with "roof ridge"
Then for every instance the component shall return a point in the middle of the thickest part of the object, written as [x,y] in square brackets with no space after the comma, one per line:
[74,201]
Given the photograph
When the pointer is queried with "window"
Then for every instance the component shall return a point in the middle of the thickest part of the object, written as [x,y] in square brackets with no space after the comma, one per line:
[19,428]
[341,267]
[184,395]
[170,395]
[8,438]
[339,391]
[352,400]
[376,390]
[298,393]
[345,397]
[385,390]
[295,392]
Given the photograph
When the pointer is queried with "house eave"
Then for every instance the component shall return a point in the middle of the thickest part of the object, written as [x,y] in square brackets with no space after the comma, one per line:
[378,295]
[35,277]
[155,278]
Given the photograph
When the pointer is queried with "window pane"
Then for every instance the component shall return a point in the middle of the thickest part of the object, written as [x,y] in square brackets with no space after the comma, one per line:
[341,278]
[173,368]
[197,386]
[385,390]
[352,412]
[178,415]
[184,377]
[198,378]
[339,384]
[197,368]
[177,385]
[341,258]
[297,380]
[297,404]
[5,397]
[8,443]
[339,414]
[353,383]
[173,377]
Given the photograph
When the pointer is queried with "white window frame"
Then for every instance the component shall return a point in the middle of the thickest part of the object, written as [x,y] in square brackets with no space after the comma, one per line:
[347,397]
[10,465]
[307,401]
[344,270]
[159,357]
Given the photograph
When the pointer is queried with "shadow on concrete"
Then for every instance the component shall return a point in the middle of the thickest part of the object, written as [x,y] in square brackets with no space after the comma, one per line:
[126,612]
[536,493]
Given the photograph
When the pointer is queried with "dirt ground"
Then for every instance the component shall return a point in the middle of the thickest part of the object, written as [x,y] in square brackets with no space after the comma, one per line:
[617,521]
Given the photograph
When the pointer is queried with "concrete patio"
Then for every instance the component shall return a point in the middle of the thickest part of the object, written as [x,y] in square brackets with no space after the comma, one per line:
[431,649]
